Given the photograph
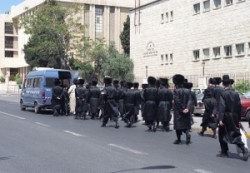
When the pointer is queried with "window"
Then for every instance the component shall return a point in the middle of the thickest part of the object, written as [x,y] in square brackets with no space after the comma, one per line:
[9,54]
[206,53]
[171,58]
[216,51]
[167,17]
[162,59]
[197,8]
[166,58]
[99,19]
[162,18]
[240,49]
[206,5]
[196,54]
[217,3]
[9,28]
[171,15]
[228,51]
[37,82]
[229,2]
[9,42]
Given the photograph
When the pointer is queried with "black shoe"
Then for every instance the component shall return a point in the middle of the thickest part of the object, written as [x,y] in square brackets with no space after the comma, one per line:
[177,141]
[103,125]
[188,139]
[117,126]
[201,133]
[222,154]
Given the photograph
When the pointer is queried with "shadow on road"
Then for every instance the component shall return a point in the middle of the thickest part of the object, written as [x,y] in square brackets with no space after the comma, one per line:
[4,158]
[147,168]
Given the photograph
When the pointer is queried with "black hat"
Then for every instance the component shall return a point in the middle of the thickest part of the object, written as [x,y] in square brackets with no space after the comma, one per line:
[151,80]
[57,82]
[178,79]
[164,81]
[80,81]
[107,80]
[232,81]
[185,80]
[188,85]
[115,82]
[129,84]
[94,82]
[226,80]
[75,81]
[135,84]
[211,81]
[217,80]
[144,85]
[123,83]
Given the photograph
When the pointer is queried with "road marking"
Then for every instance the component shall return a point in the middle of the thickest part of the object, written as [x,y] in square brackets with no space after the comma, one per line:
[128,149]
[41,124]
[75,134]
[21,118]
[202,171]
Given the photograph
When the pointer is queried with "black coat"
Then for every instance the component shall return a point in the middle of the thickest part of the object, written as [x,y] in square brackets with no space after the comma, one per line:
[94,99]
[121,94]
[182,100]
[150,103]
[210,108]
[81,94]
[57,95]
[130,102]
[165,99]
[110,96]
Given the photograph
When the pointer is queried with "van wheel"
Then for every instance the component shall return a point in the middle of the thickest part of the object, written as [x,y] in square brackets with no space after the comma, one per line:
[23,108]
[37,109]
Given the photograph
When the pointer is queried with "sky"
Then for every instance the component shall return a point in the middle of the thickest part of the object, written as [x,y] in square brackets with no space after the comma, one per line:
[6,4]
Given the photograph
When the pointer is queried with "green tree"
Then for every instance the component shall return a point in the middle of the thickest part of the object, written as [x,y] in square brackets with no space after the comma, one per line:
[50,28]
[125,36]
[117,65]
[242,86]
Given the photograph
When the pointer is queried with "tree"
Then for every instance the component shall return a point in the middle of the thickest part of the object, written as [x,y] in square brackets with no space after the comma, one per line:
[125,36]
[117,65]
[50,28]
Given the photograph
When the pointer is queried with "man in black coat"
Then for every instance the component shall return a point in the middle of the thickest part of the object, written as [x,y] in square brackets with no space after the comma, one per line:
[144,86]
[189,86]
[81,94]
[150,104]
[94,100]
[57,97]
[110,96]
[229,117]
[138,99]
[165,99]
[121,93]
[182,106]
[130,102]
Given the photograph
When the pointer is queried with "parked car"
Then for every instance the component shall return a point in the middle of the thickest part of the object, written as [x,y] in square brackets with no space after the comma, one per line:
[200,108]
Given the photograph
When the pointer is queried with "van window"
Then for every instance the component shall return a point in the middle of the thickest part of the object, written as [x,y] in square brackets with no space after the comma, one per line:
[49,82]
[37,82]
[29,83]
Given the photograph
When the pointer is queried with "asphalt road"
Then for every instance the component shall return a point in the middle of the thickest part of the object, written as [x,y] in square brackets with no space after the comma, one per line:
[34,143]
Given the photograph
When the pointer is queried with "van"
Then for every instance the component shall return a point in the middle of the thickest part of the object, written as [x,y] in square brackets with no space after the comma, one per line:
[37,88]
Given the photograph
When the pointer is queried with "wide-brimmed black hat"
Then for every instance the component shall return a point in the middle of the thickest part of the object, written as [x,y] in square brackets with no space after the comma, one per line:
[94,82]
[178,79]
[135,84]
[226,79]
[164,81]
[115,82]
[107,80]
[144,85]
[217,80]
[211,81]
[151,80]
[129,84]
[188,85]
[81,81]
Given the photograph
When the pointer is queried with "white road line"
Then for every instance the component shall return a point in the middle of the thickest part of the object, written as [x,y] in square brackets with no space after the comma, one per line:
[202,171]
[75,134]
[128,149]
[41,124]
[15,116]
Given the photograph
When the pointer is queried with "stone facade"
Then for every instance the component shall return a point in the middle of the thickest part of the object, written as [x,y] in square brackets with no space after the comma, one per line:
[170,37]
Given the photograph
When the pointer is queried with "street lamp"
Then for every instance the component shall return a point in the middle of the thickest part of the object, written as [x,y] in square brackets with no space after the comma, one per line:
[203,68]
[146,71]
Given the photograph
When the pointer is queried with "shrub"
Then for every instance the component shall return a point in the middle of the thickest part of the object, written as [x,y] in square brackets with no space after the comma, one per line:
[12,78]
[243,86]
[2,79]
[19,81]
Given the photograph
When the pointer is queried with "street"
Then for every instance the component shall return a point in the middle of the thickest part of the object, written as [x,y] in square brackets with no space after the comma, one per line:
[34,143]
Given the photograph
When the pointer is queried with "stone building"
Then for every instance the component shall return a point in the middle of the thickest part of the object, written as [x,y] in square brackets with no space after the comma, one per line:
[103,18]
[195,38]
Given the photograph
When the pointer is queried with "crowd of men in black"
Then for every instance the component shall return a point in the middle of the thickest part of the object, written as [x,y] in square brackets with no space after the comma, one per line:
[156,100]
